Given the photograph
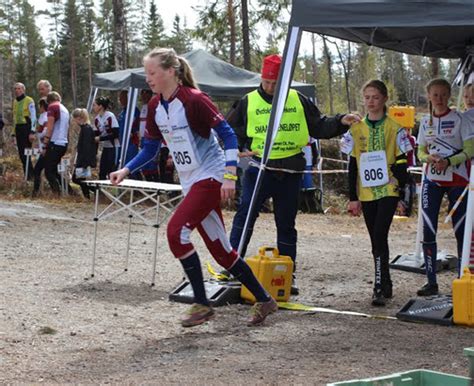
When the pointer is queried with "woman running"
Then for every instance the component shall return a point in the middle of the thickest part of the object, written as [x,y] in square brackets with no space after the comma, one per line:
[377,174]
[188,121]
[446,145]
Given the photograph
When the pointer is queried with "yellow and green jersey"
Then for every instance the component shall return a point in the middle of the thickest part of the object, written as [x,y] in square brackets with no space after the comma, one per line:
[376,146]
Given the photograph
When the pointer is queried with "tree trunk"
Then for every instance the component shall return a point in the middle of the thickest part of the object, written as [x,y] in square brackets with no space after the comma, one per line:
[349,73]
[314,67]
[231,20]
[246,35]
[327,54]
[119,45]
[73,73]
[346,75]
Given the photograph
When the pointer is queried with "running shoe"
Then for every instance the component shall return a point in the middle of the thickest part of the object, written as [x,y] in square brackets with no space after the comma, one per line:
[428,290]
[260,311]
[294,287]
[378,299]
[197,314]
[387,290]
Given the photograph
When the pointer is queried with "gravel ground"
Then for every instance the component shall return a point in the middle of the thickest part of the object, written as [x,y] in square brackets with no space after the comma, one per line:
[59,326]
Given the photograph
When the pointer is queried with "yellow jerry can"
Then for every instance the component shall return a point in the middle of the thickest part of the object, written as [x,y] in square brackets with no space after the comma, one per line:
[403,115]
[463,299]
[274,272]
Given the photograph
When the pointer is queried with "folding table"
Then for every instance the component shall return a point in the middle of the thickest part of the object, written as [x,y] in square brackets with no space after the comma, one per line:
[129,203]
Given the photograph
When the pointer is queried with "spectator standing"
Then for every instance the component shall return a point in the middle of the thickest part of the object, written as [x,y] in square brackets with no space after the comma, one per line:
[44,88]
[377,174]
[24,124]
[468,97]
[106,123]
[40,133]
[55,139]
[301,119]
[446,145]
[86,157]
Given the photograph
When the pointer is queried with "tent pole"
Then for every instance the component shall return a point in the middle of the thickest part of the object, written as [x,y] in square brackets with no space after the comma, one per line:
[126,132]
[281,92]
[92,95]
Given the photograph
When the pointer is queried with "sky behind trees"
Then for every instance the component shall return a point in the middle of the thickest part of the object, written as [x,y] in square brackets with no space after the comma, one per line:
[67,41]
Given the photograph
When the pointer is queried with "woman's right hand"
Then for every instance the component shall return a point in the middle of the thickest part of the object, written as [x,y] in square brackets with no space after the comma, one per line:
[354,208]
[118,176]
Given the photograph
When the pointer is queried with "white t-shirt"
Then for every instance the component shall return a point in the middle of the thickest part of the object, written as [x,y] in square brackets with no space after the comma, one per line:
[61,123]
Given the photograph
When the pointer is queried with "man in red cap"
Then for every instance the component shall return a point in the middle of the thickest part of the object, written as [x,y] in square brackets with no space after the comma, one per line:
[300,120]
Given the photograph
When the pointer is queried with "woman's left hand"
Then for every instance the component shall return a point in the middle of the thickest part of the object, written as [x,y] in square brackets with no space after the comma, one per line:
[227,190]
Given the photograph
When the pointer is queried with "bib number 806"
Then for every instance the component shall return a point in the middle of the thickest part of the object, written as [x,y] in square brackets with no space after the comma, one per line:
[373,174]
[182,157]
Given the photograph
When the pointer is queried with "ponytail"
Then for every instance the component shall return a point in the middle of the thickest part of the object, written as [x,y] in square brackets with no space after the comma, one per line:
[185,73]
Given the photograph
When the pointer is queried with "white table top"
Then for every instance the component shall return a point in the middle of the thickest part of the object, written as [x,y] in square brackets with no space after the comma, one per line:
[136,184]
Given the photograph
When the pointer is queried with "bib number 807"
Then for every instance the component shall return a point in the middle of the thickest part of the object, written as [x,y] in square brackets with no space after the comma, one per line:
[373,174]
[182,157]
[436,172]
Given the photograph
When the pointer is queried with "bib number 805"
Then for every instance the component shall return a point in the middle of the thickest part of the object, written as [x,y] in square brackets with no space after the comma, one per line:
[373,174]
[182,157]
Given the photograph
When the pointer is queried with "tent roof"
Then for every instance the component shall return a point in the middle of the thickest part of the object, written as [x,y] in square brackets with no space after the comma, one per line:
[437,28]
[216,77]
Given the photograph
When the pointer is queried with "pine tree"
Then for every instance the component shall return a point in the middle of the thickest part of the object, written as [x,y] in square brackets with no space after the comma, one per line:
[89,26]
[179,38]
[105,50]
[155,30]
[73,54]
[53,68]
[212,28]
[30,46]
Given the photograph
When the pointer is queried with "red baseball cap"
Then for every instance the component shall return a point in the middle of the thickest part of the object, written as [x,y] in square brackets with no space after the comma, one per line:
[271,67]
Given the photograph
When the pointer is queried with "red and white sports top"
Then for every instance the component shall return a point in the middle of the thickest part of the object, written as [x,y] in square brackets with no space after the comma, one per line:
[185,122]
[445,136]
[104,123]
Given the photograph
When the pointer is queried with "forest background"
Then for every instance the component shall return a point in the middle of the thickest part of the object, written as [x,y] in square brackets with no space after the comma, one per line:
[86,37]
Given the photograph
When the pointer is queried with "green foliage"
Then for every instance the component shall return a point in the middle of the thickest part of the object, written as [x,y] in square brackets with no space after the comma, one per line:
[155,29]
[80,42]
[180,37]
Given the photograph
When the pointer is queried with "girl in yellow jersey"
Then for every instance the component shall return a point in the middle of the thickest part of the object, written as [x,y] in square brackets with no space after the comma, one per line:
[377,174]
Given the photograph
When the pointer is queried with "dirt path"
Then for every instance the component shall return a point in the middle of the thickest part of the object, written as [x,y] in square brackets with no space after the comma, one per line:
[57,327]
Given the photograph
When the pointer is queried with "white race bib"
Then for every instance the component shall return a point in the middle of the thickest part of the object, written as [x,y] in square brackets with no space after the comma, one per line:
[443,175]
[181,149]
[373,169]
